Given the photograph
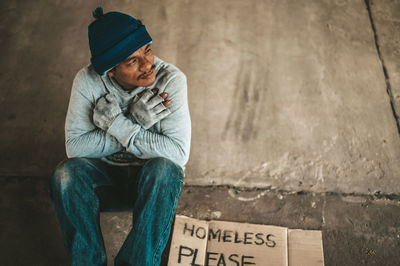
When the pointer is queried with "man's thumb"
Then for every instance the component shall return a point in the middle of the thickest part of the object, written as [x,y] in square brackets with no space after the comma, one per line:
[110,97]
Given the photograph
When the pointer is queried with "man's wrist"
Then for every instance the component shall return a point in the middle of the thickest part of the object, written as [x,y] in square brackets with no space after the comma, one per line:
[131,117]
[114,126]
[123,129]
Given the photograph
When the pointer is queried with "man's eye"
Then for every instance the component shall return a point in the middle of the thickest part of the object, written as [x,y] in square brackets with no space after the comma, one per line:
[132,61]
[147,51]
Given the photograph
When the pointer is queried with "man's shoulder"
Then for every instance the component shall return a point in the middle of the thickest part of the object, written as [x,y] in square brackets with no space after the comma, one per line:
[168,71]
[87,75]
[88,83]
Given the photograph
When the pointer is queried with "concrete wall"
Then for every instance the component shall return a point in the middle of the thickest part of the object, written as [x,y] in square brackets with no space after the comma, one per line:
[386,14]
[288,94]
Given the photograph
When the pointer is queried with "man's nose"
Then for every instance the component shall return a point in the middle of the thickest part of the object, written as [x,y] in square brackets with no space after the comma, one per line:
[145,65]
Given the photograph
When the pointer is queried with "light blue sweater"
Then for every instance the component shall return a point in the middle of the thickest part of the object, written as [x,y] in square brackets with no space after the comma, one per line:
[126,140]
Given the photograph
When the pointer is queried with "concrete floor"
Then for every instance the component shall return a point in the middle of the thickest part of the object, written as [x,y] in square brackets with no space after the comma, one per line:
[357,229]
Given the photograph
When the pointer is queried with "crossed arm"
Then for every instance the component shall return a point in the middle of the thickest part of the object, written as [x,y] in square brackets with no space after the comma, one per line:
[172,141]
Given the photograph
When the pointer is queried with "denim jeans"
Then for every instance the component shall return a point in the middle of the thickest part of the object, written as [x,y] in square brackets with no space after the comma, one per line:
[81,187]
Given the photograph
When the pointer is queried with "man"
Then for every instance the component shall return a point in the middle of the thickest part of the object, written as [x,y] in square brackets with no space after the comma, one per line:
[127,139]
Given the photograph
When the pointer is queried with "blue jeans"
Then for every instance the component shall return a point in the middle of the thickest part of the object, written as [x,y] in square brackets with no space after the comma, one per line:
[80,188]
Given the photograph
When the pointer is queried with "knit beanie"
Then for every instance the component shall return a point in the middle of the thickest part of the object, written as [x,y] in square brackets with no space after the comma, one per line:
[113,37]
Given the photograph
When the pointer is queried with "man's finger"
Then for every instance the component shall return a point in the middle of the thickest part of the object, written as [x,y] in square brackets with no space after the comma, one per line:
[164,95]
[110,98]
[154,101]
[140,94]
[147,95]
[159,108]
[154,91]
[101,101]
[167,103]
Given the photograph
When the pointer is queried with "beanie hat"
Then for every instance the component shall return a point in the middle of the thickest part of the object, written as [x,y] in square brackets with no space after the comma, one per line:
[113,37]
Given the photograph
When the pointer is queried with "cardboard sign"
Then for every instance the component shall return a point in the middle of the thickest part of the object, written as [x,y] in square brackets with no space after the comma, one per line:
[217,243]
[305,248]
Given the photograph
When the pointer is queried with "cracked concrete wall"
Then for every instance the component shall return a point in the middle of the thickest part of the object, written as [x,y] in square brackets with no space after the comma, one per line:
[287,94]
[386,16]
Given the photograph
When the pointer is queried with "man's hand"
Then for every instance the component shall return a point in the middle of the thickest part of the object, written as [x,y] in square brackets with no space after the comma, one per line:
[147,108]
[164,95]
[105,111]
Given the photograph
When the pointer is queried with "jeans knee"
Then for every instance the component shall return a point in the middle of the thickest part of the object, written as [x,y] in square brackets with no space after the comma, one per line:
[62,176]
[165,172]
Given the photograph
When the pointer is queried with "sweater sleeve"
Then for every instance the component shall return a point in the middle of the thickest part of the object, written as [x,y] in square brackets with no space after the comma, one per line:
[82,137]
[172,141]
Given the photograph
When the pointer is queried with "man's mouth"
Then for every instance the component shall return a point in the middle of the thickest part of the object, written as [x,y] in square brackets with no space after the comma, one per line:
[145,76]
[148,74]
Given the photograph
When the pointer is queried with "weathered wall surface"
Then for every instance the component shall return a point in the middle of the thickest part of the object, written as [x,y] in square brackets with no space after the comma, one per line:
[386,17]
[289,94]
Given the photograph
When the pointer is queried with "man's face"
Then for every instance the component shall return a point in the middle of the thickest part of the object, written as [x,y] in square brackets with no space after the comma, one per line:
[138,69]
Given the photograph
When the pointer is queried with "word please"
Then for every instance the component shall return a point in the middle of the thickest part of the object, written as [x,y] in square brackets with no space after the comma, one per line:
[213,258]
[246,238]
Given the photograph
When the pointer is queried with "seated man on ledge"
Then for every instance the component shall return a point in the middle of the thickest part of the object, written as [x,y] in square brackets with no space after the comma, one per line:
[127,140]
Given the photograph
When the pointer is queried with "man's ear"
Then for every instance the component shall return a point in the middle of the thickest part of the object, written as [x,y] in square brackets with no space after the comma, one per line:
[111,73]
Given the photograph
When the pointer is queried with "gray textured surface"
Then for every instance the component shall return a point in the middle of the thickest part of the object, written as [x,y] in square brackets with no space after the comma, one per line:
[288,94]
[386,16]
[357,229]
[309,107]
